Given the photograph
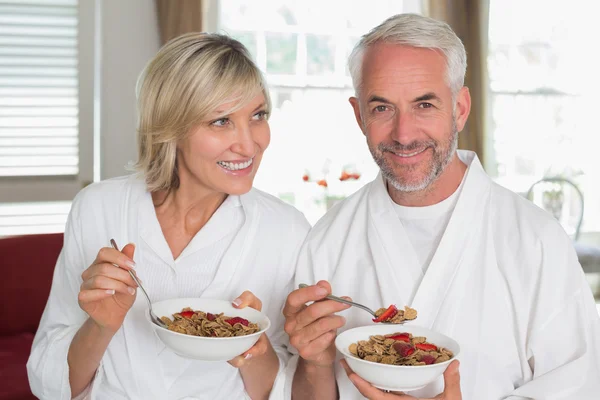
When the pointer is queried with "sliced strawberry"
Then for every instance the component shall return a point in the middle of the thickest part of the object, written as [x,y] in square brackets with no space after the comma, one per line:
[426,346]
[210,317]
[235,320]
[403,337]
[187,314]
[427,359]
[387,314]
[404,349]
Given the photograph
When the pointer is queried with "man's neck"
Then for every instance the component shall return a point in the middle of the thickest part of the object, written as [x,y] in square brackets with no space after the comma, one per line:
[439,190]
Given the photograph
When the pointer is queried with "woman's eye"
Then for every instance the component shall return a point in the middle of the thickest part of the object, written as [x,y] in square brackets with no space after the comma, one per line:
[260,115]
[220,122]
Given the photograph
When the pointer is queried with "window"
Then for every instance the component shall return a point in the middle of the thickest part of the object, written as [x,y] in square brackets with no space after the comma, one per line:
[543,105]
[303,47]
[46,104]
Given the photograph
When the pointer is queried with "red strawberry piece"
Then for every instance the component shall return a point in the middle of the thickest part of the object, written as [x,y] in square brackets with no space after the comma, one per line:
[305,178]
[210,317]
[404,349]
[426,346]
[427,359]
[187,314]
[387,314]
[235,320]
[403,337]
[322,182]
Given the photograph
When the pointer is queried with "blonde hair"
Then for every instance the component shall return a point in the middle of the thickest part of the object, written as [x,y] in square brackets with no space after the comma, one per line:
[189,78]
[415,31]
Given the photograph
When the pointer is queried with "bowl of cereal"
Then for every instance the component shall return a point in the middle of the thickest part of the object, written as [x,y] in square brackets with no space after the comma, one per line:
[397,358]
[207,329]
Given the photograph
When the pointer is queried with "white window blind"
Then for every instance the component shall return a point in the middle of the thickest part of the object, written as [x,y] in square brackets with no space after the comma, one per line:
[39,121]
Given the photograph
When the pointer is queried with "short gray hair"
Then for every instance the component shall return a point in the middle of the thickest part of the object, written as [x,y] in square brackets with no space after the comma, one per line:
[415,31]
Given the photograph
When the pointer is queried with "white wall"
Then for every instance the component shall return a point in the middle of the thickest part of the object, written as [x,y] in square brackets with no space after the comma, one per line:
[130,38]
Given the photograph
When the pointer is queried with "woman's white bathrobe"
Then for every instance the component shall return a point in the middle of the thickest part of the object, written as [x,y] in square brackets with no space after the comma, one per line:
[253,242]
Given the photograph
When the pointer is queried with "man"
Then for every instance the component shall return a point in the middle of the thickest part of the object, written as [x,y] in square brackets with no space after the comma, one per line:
[478,263]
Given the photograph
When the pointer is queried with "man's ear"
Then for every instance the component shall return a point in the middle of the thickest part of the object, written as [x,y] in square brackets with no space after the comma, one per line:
[356,107]
[462,107]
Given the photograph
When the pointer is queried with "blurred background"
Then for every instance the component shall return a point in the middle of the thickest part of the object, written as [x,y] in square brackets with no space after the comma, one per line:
[68,70]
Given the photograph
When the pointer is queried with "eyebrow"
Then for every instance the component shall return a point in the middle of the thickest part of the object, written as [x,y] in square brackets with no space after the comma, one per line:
[427,97]
[221,112]
[378,99]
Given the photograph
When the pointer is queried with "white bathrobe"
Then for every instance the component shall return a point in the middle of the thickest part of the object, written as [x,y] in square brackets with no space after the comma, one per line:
[253,241]
[504,282]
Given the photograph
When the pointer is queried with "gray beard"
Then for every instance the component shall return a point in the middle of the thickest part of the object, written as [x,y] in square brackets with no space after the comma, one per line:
[440,161]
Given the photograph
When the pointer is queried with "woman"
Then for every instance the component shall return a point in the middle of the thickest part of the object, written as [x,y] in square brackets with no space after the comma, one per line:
[195,228]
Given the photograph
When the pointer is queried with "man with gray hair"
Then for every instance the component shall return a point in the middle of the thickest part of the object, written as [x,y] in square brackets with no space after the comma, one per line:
[479,263]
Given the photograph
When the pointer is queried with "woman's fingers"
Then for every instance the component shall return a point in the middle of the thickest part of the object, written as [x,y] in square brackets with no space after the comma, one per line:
[106,283]
[247,299]
[89,296]
[257,350]
[112,256]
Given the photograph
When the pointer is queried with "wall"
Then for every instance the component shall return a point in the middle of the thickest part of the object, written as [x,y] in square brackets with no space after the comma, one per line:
[130,38]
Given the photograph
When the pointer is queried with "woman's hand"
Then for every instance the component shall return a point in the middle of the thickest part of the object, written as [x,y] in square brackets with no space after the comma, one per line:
[108,292]
[248,299]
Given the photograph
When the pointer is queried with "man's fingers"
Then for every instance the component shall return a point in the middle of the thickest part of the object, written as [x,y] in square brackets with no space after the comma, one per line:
[297,300]
[452,382]
[317,346]
[318,328]
[369,391]
[318,310]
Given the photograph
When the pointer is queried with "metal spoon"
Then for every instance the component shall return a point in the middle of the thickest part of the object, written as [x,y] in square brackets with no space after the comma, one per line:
[153,316]
[351,303]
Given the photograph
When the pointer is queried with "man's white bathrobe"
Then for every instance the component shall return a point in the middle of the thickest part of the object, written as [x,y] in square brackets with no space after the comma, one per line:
[504,282]
[250,243]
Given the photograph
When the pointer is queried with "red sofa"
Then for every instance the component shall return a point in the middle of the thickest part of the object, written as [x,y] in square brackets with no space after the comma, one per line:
[27,263]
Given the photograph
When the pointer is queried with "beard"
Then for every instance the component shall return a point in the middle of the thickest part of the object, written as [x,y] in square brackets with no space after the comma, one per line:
[409,180]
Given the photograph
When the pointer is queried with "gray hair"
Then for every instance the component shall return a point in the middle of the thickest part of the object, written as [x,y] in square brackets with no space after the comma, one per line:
[415,31]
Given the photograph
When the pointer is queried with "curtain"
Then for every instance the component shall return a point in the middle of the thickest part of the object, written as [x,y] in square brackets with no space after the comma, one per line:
[176,17]
[469,19]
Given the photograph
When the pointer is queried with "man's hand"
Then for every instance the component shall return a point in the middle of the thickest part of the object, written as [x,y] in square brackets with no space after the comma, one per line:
[312,329]
[451,386]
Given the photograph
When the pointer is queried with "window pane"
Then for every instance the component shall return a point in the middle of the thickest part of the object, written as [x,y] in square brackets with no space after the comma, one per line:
[321,54]
[281,53]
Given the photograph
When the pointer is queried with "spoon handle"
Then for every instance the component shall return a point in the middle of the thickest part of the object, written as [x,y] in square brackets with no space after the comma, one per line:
[340,300]
[114,246]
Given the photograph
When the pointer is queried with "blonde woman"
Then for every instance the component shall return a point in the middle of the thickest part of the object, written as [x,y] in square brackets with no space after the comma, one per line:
[195,228]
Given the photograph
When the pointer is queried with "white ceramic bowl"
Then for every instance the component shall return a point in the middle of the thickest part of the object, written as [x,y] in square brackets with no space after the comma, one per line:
[395,377]
[207,348]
